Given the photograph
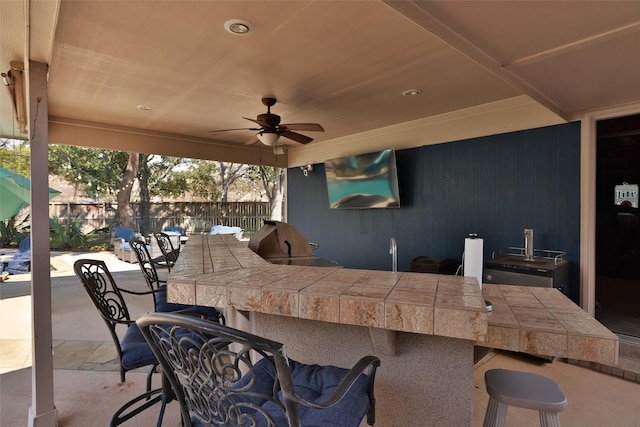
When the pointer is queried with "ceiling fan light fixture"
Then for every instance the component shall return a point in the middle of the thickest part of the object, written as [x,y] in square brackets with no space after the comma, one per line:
[238,27]
[268,138]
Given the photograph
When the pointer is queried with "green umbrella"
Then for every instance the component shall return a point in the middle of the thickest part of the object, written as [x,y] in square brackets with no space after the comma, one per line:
[15,193]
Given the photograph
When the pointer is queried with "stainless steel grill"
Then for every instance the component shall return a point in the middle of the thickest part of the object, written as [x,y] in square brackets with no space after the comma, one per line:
[281,243]
[511,266]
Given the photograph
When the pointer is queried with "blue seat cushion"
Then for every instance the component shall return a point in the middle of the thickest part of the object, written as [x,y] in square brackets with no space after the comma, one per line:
[314,383]
[136,352]
[175,228]
[123,233]
[167,307]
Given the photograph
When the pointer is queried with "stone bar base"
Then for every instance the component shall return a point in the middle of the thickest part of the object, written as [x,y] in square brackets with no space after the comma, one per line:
[426,382]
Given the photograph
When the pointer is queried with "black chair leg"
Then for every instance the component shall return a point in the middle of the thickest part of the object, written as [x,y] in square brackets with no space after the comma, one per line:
[163,395]
[167,396]
[150,377]
[122,415]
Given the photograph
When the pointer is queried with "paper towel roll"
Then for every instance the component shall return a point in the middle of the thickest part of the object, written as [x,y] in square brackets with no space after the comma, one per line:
[473,258]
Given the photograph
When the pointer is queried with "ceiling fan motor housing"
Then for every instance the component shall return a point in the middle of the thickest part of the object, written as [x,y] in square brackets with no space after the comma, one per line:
[269,120]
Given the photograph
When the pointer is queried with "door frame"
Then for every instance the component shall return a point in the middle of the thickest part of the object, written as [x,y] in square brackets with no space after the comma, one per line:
[588,158]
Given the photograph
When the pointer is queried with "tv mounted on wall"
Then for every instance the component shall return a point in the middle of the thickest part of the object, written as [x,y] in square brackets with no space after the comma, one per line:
[363,181]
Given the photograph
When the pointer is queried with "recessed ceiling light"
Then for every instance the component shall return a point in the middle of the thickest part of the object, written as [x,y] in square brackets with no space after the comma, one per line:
[144,107]
[412,92]
[238,27]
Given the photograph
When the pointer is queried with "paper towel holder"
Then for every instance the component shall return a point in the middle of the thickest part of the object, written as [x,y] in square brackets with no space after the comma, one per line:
[487,303]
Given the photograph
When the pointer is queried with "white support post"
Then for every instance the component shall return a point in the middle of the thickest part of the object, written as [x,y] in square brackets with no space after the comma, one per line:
[42,412]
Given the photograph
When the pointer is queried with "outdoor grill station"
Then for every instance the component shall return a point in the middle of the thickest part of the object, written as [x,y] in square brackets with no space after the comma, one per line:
[528,266]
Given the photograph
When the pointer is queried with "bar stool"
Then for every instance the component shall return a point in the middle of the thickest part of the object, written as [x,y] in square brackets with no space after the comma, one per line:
[523,390]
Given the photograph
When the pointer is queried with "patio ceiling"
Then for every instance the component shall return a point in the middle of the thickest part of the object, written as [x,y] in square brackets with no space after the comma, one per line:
[482,66]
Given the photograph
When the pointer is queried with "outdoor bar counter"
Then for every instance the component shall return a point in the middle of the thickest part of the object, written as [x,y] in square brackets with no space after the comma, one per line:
[423,327]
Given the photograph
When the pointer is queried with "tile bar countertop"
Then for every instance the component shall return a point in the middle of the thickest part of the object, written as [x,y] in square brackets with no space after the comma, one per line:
[220,271]
[543,321]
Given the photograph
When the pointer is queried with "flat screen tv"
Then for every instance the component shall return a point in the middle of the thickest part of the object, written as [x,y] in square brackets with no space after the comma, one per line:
[363,181]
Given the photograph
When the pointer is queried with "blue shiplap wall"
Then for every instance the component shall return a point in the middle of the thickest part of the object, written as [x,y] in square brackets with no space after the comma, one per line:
[494,186]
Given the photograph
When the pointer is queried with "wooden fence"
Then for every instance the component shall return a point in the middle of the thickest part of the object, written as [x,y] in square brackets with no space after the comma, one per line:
[194,217]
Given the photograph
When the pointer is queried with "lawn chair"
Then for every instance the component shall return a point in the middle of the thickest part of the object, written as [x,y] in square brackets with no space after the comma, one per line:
[120,238]
[175,229]
[21,262]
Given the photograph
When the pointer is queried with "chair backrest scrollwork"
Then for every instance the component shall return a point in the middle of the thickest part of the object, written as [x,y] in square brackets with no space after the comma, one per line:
[211,369]
[106,296]
[169,253]
[103,291]
[146,264]
[224,377]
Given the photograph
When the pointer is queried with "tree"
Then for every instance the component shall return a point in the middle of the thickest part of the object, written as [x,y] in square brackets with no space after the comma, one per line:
[273,183]
[98,173]
[229,173]
[154,170]
[15,155]
[124,216]
[199,180]
[145,200]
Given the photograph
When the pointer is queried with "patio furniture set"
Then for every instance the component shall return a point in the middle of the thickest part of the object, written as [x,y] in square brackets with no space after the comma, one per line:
[121,238]
[219,375]
[222,376]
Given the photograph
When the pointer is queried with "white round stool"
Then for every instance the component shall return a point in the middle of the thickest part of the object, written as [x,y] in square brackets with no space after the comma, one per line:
[523,390]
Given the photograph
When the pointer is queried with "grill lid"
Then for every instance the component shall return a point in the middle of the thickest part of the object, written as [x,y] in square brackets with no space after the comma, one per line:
[279,240]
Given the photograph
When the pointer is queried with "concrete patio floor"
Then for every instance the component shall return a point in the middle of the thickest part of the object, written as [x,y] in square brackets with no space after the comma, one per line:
[88,388]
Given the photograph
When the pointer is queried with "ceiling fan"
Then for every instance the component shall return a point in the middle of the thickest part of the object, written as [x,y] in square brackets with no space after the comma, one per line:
[271,130]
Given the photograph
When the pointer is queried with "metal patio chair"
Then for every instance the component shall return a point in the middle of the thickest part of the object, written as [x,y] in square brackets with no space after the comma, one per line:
[225,377]
[132,349]
[169,253]
[21,262]
[159,288]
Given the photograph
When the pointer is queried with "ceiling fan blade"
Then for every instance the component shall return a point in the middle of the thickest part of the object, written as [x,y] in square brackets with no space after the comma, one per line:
[309,127]
[226,130]
[262,124]
[297,137]
[253,140]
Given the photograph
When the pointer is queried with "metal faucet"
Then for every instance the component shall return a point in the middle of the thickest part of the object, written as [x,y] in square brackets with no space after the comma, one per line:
[393,250]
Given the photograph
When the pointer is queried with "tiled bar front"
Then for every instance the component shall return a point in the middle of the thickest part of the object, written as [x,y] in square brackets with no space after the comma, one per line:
[223,272]
[422,326]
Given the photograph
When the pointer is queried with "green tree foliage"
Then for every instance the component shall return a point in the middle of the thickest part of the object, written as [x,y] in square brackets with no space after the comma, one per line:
[97,172]
[200,178]
[13,230]
[163,176]
[15,156]
[67,234]
[272,180]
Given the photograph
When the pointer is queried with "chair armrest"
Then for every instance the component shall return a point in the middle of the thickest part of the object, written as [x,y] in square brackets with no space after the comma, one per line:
[192,311]
[119,321]
[138,292]
[367,365]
